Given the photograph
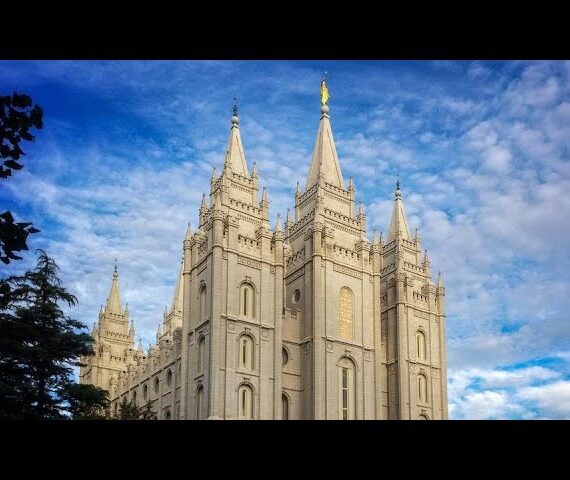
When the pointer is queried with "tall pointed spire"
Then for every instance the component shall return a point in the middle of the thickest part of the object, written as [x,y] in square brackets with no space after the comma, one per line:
[178,299]
[325,163]
[235,157]
[114,300]
[399,223]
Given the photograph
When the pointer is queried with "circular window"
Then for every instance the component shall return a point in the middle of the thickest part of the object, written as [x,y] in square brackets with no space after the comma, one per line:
[156,385]
[296,296]
[169,378]
[145,392]
[285,356]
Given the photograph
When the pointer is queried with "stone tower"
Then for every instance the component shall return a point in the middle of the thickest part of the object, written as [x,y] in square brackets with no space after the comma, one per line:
[412,332]
[114,341]
[233,299]
[308,320]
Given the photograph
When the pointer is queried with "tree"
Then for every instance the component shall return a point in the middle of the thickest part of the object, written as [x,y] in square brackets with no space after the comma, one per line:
[87,402]
[17,117]
[39,346]
[130,411]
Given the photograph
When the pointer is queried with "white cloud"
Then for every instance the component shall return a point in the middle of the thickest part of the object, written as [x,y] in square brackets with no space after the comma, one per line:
[553,400]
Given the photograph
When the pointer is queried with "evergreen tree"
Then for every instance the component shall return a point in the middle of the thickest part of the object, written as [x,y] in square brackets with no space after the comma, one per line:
[39,346]
[130,411]
[87,402]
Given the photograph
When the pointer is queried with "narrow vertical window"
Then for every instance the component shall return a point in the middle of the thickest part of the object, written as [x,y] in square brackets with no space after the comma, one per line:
[245,399]
[285,407]
[203,303]
[199,402]
[247,301]
[421,345]
[201,353]
[422,388]
[347,397]
[246,349]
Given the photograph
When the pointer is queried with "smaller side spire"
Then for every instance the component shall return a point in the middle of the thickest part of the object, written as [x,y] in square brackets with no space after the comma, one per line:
[188,231]
[203,205]
[439,280]
[264,196]
[278,224]
[254,170]
[375,238]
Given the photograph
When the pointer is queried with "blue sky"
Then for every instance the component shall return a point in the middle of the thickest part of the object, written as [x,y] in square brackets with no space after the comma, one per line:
[483,151]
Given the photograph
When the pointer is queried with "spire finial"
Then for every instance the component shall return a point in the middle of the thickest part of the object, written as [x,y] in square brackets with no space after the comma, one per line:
[235,118]
[298,189]
[115,272]
[398,191]
[324,95]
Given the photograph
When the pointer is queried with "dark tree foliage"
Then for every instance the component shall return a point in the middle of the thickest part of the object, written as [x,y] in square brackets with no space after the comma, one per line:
[87,402]
[17,117]
[39,346]
[130,411]
[13,237]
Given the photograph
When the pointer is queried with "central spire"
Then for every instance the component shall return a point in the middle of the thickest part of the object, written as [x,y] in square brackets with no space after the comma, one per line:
[399,223]
[235,158]
[325,159]
[114,300]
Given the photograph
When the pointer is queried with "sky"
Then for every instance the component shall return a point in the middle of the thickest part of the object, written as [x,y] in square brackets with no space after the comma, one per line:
[482,149]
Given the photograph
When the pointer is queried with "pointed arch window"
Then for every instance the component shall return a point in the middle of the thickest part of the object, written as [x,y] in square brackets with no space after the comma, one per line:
[422,388]
[421,345]
[247,300]
[245,399]
[246,352]
[200,403]
[201,354]
[346,313]
[203,303]
[423,416]
[347,397]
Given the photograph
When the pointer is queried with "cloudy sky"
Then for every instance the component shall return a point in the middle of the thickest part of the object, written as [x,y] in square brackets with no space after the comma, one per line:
[483,151]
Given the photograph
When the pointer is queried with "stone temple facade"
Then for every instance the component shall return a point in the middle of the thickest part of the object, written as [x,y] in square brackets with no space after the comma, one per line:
[308,320]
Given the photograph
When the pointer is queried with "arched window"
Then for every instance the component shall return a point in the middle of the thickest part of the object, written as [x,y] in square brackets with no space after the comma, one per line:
[156,384]
[423,416]
[345,313]
[421,345]
[203,303]
[245,398]
[200,403]
[145,391]
[347,397]
[285,356]
[422,388]
[134,397]
[285,406]
[201,353]
[169,377]
[167,414]
[247,300]
[246,350]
